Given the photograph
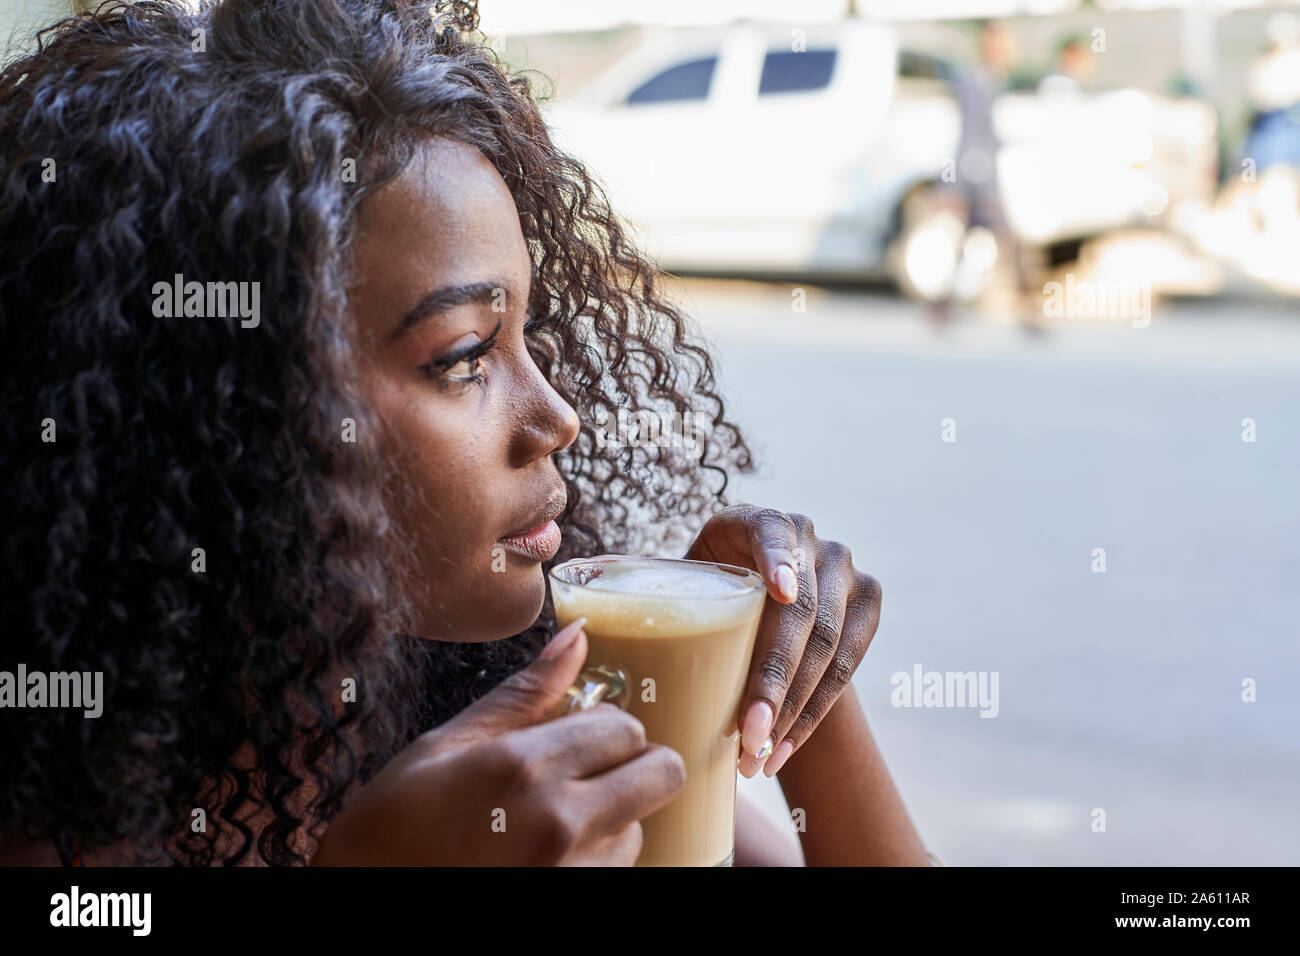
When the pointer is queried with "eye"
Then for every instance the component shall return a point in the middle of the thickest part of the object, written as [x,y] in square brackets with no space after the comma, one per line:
[465,368]
[462,365]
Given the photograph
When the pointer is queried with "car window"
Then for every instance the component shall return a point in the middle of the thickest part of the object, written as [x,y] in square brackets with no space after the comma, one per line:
[922,66]
[785,71]
[685,81]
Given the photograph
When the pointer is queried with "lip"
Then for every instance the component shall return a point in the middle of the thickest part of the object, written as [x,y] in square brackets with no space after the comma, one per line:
[541,538]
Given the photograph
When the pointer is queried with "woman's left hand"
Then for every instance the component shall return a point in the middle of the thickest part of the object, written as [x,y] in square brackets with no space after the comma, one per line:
[813,634]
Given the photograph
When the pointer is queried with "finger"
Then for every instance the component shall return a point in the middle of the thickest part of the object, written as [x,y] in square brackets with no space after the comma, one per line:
[862,617]
[764,539]
[774,542]
[618,849]
[834,579]
[524,698]
[633,790]
[782,633]
[584,743]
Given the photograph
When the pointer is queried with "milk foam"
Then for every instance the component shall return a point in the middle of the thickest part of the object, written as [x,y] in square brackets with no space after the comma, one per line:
[671,580]
[659,600]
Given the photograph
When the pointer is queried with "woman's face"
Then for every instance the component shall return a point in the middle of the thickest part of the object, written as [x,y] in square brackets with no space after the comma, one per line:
[469,421]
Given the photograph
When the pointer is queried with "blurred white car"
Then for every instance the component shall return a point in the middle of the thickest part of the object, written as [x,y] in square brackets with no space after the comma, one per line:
[771,149]
[1075,165]
[736,153]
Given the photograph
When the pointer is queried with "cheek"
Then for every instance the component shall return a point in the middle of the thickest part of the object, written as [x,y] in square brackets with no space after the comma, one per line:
[450,479]
[443,491]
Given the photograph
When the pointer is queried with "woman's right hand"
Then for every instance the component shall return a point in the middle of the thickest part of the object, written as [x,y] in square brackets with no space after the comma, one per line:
[501,785]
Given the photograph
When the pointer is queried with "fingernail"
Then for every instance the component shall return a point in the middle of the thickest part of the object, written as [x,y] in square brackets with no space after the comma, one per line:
[779,758]
[766,750]
[749,766]
[758,724]
[788,582]
[562,640]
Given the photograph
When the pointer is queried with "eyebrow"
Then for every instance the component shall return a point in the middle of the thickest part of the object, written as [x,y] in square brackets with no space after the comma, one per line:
[441,300]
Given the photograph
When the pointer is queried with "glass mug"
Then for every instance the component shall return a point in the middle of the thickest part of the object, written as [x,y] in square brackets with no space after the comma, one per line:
[671,642]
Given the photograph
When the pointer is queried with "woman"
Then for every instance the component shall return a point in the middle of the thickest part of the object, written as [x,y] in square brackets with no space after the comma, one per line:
[307,325]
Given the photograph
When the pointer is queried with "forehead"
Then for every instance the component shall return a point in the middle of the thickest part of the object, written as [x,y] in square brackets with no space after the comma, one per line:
[447,218]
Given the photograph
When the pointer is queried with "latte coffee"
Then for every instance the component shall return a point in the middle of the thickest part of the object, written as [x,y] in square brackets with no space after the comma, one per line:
[682,633]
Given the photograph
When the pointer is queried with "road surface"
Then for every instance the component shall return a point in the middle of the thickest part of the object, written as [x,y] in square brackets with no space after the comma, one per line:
[1118,690]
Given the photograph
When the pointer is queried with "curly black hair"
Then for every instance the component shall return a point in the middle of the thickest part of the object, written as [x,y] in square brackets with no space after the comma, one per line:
[151,139]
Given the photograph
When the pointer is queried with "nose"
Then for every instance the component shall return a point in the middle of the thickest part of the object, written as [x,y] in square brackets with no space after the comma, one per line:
[548,424]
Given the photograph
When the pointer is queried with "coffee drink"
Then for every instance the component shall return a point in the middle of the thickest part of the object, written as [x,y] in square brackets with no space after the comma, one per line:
[682,633]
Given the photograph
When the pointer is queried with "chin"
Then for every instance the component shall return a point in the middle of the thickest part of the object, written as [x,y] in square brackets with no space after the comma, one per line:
[500,609]
[535,600]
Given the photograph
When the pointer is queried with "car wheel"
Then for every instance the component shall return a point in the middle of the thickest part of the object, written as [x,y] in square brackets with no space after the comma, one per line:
[925,256]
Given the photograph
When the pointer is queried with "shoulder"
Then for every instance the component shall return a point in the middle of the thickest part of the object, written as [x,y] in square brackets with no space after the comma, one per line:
[19,851]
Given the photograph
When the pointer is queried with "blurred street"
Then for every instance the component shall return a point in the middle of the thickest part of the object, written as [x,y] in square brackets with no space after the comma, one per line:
[1118,690]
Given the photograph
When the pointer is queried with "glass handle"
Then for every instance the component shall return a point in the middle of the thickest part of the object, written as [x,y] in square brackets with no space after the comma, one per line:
[593,686]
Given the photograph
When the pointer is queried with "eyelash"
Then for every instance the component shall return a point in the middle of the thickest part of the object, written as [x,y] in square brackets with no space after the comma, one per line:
[437,369]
